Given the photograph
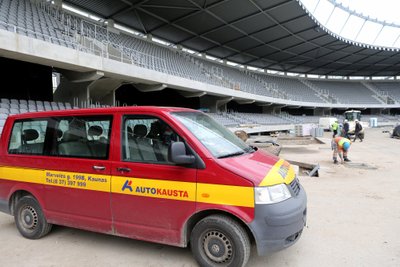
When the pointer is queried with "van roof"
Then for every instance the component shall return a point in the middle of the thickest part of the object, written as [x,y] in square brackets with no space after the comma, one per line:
[108,110]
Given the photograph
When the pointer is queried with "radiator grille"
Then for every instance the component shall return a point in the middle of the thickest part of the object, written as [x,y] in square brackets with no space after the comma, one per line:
[295,186]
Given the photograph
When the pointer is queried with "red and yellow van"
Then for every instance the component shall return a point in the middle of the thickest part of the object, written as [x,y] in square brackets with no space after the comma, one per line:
[166,175]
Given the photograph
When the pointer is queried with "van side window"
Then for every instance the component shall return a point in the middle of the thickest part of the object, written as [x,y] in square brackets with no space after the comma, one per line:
[146,139]
[75,136]
[27,137]
[83,137]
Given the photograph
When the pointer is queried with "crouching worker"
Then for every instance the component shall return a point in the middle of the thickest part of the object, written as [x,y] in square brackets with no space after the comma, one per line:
[341,146]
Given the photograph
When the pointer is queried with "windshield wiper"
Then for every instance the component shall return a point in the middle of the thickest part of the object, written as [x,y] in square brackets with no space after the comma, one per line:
[232,155]
[249,149]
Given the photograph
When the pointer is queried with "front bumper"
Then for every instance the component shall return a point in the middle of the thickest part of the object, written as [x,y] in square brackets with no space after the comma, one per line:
[278,226]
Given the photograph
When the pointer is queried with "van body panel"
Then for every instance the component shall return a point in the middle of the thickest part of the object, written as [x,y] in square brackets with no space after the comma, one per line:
[81,195]
[64,185]
[218,173]
[152,200]
[9,187]
[260,167]
[34,189]
[87,190]
[216,179]
[165,228]
[155,206]
[244,214]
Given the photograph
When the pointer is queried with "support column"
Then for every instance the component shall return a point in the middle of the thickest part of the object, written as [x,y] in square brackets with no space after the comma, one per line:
[75,93]
[102,91]
[74,87]
[273,109]
[109,99]
[221,104]
[268,109]
[214,103]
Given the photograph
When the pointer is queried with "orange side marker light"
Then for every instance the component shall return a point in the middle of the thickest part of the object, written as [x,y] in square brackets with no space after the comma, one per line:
[205,195]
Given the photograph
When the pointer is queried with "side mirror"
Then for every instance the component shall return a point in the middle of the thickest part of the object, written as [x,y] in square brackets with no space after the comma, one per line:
[177,154]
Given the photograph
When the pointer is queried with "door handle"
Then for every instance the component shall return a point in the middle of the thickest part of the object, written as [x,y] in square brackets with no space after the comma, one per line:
[123,169]
[99,168]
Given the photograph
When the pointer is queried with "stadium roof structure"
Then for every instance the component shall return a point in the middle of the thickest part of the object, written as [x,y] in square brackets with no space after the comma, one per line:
[269,34]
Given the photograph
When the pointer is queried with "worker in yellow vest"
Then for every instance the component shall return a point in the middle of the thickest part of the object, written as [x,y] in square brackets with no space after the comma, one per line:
[335,127]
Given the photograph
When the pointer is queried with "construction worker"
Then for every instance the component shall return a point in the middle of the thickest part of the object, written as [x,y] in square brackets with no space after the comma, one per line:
[335,127]
[346,128]
[357,131]
[341,146]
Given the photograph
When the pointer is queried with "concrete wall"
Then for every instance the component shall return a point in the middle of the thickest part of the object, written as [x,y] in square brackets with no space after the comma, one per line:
[23,48]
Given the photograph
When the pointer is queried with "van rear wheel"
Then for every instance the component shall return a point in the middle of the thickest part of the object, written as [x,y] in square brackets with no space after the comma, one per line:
[218,240]
[30,219]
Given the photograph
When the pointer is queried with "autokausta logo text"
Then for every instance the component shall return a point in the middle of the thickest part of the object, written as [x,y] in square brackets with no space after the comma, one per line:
[162,192]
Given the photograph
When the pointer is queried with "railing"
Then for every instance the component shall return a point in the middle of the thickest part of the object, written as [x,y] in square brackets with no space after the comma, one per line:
[45,37]
[74,29]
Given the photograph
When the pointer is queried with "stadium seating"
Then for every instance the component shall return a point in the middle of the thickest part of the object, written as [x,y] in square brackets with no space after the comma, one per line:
[47,23]
[347,92]
[223,119]
[392,89]
[291,88]
[29,19]
[308,119]
[14,106]
[238,118]
[43,21]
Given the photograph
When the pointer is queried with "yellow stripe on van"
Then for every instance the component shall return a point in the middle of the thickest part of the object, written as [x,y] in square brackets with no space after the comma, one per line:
[22,175]
[184,191]
[58,178]
[225,195]
[281,172]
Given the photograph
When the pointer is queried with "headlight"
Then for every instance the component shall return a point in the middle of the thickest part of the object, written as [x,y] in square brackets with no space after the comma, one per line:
[271,194]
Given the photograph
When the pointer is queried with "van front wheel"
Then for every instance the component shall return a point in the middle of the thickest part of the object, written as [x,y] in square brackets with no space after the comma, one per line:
[30,219]
[218,240]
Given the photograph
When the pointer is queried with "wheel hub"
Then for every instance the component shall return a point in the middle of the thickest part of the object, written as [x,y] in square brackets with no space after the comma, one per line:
[217,247]
[29,217]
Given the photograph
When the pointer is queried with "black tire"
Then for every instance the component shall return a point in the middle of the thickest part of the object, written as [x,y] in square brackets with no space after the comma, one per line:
[218,240]
[30,219]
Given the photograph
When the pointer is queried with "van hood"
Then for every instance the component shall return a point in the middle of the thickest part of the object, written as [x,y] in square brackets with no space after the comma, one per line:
[260,167]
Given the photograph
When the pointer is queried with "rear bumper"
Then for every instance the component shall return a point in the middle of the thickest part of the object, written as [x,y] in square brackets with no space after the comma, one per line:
[278,226]
[4,206]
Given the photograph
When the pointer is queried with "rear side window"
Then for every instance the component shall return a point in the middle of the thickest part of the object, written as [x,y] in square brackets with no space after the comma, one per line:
[74,136]
[82,137]
[27,137]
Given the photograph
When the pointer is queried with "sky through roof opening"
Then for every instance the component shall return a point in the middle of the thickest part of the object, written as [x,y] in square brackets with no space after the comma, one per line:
[362,22]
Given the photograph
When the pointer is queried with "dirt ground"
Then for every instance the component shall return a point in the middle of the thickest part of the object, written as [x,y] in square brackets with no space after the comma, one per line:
[353,220]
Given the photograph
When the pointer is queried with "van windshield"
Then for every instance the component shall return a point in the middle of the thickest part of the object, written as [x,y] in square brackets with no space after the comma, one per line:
[221,142]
